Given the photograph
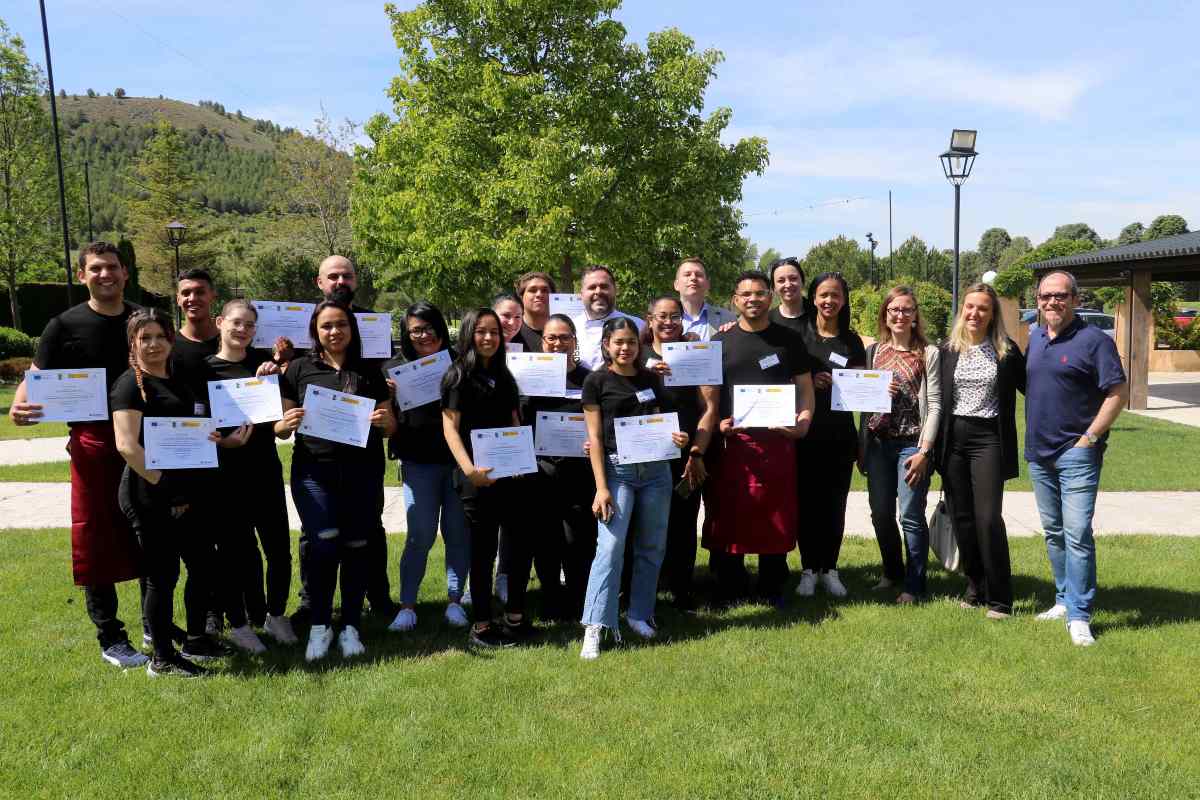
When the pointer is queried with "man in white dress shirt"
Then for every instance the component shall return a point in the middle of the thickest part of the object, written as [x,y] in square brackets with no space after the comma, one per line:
[701,321]
[598,290]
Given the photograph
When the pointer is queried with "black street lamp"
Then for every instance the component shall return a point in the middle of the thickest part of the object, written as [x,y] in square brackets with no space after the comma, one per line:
[874,275]
[175,234]
[957,163]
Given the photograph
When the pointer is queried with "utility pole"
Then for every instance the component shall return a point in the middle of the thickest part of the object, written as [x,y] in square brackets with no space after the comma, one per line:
[87,182]
[891,265]
[62,187]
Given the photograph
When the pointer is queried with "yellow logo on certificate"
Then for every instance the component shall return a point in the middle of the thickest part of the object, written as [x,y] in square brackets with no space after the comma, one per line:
[349,400]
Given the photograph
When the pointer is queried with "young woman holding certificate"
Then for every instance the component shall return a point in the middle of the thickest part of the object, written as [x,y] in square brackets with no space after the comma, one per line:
[426,470]
[478,392]
[898,445]
[698,417]
[251,478]
[631,498]
[335,486]
[162,505]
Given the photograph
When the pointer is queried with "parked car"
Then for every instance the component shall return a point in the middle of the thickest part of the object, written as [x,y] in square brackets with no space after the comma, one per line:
[1105,322]
[1028,315]
[1185,316]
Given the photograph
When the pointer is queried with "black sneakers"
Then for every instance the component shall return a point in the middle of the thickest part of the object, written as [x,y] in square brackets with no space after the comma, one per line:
[173,667]
[492,636]
[205,649]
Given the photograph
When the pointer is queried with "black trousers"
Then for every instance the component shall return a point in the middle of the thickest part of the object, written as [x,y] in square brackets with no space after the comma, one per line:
[101,603]
[559,511]
[733,581]
[263,511]
[375,562]
[165,542]
[679,562]
[975,498]
[824,469]
[486,509]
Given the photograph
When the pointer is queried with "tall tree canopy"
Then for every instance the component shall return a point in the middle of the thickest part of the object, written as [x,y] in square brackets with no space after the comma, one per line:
[528,134]
[1166,225]
[1077,231]
[1131,233]
[991,244]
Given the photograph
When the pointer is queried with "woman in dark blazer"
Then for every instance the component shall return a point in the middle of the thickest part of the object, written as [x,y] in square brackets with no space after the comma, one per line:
[981,371]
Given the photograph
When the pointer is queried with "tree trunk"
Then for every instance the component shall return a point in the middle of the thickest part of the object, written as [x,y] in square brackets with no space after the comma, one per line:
[565,276]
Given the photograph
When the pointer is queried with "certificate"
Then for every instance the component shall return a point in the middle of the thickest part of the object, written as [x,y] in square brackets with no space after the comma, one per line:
[240,400]
[69,395]
[861,390]
[765,406]
[375,333]
[569,304]
[646,438]
[282,319]
[420,382]
[692,363]
[508,451]
[336,416]
[539,374]
[179,443]
[560,434]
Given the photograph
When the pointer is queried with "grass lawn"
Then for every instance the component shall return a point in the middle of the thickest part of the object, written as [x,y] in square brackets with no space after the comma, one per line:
[10,431]
[859,699]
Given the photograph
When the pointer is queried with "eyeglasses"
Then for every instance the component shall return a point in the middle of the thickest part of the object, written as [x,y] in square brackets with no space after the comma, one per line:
[1046,297]
[668,317]
[901,312]
[565,338]
[418,333]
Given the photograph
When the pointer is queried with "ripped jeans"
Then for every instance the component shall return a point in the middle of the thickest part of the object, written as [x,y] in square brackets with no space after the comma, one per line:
[338,508]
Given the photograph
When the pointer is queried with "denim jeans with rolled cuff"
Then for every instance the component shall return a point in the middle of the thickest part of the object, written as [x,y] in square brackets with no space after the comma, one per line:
[430,502]
[886,488]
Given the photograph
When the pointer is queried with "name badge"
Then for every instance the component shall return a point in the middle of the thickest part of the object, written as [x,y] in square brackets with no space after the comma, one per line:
[198,409]
[646,396]
[766,362]
[574,394]
[838,358]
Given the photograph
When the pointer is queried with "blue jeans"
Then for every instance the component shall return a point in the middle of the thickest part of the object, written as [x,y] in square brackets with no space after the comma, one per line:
[1065,490]
[885,486]
[428,494]
[641,499]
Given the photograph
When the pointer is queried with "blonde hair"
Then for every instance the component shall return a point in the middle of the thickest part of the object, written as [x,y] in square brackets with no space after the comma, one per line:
[960,340]
[884,334]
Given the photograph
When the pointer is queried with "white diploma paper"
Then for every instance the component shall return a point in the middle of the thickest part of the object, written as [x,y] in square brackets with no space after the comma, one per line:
[336,416]
[560,434]
[237,401]
[692,363]
[420,382]
[282,319]
[766,406]
[508,451]
[179,443]
[646,438]
[375,331]
[861,390]
[69,395]
[539,374]
[569,304]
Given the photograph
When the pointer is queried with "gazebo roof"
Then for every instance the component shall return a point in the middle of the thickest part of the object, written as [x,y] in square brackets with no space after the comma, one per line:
[1169,258]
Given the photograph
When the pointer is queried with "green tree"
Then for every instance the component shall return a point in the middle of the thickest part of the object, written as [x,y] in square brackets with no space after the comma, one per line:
[119,92]
[768,257]
[1019,246]
[28,220]
[128,257]
[991,244]
[842,255]
[280,273]
[1016,279]
[1132,233]
[1166,225]
[1077,231]
[313,188]
[530,134]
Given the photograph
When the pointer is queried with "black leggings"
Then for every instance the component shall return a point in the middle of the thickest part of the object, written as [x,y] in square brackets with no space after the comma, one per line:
[974,481]
[165,541]
[559,509]
[824,469]
[486,509]
[679,562]
[264,511]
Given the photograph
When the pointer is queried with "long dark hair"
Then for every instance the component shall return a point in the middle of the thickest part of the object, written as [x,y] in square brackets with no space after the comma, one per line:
[139,319]
[429,314]
[810,305]
[468,357]
[612,326]
[354,359]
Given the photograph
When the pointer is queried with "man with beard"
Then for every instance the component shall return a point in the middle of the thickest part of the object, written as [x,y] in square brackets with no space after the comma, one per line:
[598,290]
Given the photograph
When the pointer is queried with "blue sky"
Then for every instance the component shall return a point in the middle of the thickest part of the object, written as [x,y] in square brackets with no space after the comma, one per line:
[1086,111]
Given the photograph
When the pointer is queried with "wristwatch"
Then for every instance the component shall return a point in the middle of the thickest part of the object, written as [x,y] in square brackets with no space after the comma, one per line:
[1092,438]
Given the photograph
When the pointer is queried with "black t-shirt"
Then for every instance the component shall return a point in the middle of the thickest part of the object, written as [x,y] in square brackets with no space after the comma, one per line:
[618,396]
[530,338]
[485,398]
[686,398]
[829,425]
[419,437]
[774,355]
[259,452]
[82,338]
[798,324]
[188,359]
[169,397]
[358,379]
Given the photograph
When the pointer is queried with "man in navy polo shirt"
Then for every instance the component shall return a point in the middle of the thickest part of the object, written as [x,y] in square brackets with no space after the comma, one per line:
[1075,390]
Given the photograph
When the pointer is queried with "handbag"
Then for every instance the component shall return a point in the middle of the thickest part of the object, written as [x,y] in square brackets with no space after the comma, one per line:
[941,536]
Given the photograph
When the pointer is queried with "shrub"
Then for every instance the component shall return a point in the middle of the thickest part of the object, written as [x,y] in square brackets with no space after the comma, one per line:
[1013,280]
[15,343]
[12,370]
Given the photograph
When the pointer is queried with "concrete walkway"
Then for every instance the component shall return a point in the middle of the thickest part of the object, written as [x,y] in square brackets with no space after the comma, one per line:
[47,505]
[1175,397]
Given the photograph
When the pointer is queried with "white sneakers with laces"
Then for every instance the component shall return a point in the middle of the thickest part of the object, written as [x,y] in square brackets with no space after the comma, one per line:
[406,620]
[832,583]
[320,637]
[246,639]
[349,642]
[1081,633]
[1056,611]
[808,584]
[591,643]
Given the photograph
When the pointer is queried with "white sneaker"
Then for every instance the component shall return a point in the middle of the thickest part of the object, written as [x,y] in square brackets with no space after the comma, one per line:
[280,629]
[642,628]
[245,638]
[1056,611]
[319,639]
[808,584]
[591,643]
[501,587]
[832,583]
[350,643]
[1081,633]
[406,620]
[456,615]
[466,598]
[123,655]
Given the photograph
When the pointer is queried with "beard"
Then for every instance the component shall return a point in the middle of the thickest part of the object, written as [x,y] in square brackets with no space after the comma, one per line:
[342,294]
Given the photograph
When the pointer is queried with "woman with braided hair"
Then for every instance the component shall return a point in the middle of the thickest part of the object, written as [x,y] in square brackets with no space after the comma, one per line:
[162,506]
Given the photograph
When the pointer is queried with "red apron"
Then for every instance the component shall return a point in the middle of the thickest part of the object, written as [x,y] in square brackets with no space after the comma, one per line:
[103,547]
[751,507]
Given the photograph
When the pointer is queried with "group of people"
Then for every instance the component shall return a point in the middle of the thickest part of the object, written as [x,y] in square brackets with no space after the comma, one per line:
[599,532]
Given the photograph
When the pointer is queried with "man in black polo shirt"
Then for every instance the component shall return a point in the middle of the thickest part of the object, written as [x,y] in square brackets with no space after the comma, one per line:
[751,504]
[104,551]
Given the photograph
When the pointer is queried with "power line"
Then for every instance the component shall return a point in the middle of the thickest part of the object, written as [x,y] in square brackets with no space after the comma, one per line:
[814,206]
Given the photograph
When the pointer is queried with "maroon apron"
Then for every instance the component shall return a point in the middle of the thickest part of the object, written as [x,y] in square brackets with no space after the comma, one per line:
[103,547]
[752,507]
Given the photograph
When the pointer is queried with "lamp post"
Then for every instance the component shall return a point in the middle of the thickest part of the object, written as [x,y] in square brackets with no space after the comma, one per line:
[175,233]
[957,163]
[874,276]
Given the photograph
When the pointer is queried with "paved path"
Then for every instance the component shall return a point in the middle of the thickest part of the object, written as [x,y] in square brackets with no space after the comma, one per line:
[1175,397]
[47,505]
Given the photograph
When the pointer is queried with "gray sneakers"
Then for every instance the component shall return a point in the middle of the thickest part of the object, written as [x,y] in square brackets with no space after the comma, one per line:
[123,655]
